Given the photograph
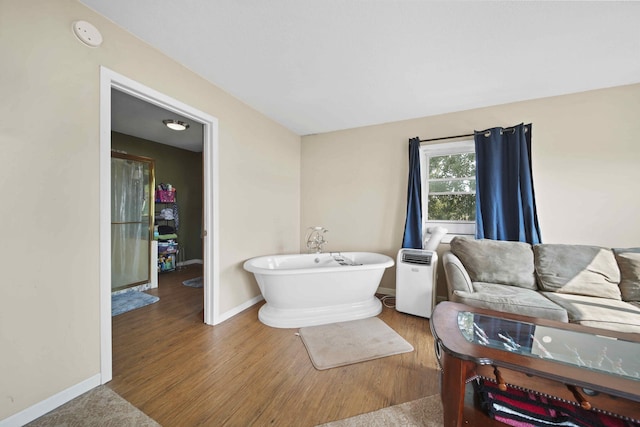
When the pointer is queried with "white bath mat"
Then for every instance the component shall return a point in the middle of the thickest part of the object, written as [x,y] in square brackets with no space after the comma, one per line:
[344,343]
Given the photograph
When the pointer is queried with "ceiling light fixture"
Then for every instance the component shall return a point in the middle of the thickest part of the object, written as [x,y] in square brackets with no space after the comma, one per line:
[175,124]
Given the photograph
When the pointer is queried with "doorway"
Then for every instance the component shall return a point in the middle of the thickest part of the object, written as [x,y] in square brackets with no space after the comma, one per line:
[111,80]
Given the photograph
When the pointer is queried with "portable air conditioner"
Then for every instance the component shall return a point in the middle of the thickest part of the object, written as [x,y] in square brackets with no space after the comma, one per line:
[416,281]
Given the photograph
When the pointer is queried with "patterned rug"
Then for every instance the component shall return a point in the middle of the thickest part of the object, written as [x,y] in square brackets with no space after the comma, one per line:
[525,408]
[127,301]
[425,412]
[193,283]
[100,407]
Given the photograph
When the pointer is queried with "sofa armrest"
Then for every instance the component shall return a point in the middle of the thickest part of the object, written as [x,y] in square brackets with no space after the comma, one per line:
[457,277]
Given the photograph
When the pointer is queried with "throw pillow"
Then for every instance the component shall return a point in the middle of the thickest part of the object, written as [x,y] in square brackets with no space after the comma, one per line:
[629,263]
[493,261]
[578,270]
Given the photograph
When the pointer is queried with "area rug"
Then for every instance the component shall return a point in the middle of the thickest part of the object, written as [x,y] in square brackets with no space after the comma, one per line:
[344,343]
[98,407]
[425,412]
[193,283]
[127,301]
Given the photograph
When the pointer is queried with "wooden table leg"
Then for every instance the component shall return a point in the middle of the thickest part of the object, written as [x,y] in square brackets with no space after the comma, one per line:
[455,374]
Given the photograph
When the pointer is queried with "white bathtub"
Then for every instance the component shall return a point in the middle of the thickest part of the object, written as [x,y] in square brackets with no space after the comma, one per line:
[315,289]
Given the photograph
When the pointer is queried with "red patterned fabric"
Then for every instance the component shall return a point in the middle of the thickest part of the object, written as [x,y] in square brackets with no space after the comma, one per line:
[520,408]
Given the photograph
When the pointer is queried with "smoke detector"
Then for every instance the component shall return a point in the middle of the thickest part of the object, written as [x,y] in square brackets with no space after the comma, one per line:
[87,33]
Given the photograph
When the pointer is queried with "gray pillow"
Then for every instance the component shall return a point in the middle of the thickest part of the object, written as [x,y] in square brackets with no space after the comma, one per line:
[578,270]
[629,264]
[493,261]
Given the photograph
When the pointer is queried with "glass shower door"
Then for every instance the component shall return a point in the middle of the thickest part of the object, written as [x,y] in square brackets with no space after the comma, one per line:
[132,183]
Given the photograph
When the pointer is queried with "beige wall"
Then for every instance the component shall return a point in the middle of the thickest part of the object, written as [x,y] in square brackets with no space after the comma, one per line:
[49,139]
[586,169]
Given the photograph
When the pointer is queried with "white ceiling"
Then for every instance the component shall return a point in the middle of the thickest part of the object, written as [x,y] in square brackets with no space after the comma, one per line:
[322,65]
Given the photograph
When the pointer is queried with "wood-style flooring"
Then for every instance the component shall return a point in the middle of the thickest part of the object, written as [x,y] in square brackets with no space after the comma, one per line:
[181,372]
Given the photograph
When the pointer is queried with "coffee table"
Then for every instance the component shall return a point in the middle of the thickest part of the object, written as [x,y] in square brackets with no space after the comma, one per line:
[598,369]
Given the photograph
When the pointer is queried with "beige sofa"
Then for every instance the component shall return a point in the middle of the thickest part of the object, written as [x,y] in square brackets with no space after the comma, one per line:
[589,285]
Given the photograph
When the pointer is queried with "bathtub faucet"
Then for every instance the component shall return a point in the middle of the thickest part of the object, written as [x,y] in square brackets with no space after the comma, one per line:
[315,239]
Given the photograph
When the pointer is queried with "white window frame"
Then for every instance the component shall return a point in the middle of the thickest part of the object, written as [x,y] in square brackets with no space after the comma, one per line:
[455,228]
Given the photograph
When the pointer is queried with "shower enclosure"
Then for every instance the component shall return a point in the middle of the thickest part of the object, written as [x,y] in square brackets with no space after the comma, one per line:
[132,184]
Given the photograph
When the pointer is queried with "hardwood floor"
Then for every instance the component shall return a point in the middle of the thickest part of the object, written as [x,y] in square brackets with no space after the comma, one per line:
[181,372]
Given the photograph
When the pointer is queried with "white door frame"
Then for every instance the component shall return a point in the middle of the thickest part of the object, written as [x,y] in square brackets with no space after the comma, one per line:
[108,80]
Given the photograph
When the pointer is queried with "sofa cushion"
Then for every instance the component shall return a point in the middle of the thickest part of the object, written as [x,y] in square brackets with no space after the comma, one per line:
[577,269]
[511,299]
[597,312]
[629,264]
[492,261]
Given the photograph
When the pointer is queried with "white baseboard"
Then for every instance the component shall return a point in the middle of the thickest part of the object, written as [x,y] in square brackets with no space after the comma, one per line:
[229,314]
[39,409]
[191,261]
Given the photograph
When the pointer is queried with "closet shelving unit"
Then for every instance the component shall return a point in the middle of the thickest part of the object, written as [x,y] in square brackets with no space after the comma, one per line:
[168,247]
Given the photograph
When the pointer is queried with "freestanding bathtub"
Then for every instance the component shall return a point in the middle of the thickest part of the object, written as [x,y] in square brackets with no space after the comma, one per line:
[315,289]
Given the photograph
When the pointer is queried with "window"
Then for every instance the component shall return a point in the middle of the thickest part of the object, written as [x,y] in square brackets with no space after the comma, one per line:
[449,187]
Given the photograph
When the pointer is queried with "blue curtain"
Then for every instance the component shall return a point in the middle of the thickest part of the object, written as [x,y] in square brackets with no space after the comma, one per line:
[413,224]
[505,200]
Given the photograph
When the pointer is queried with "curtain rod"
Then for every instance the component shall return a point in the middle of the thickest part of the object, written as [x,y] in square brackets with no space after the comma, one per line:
[526,129]
[446,137]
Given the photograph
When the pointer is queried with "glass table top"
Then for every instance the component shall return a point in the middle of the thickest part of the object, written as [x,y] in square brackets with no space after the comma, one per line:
[592,352]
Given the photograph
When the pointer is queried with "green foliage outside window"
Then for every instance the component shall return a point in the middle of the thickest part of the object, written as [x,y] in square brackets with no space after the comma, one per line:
[452,187]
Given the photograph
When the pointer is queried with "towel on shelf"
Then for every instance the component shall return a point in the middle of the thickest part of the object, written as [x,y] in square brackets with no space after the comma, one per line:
[166,229]
[167,236]
[167,214]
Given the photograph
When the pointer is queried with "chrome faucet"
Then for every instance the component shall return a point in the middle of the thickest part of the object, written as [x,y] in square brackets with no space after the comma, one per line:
[315,239]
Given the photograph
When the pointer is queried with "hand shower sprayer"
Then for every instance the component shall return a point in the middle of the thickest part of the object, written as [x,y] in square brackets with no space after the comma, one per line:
[315,239]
